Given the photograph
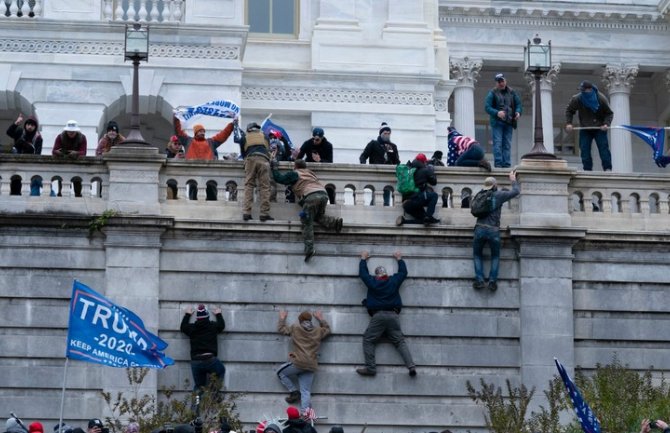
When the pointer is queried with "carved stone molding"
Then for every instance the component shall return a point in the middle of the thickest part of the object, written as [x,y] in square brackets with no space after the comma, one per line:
[465,70]
[341,96]
[441,104]
[99,48]
[548,79]
[620,78]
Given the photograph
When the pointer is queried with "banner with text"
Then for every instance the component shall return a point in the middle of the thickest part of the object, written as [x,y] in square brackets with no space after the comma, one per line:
[219,108]
[104,333]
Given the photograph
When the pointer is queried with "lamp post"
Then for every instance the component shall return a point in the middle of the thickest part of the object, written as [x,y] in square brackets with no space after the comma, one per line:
[537,61]
[136,49]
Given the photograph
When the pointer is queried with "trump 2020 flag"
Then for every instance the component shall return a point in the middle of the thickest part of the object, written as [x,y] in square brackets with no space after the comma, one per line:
[269,126]
[104,333]
[587,419]
[219,108]
[654,137]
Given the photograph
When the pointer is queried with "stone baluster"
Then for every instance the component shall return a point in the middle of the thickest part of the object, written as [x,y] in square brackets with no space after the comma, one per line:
[466,72]
[37,8]
[359,197]
[13,9]
[177,14]
[119,11]
[154,11]
[108,11]
[142,13]
[25,9]
[131,12]
[547,82]
[607,204]
[619,80]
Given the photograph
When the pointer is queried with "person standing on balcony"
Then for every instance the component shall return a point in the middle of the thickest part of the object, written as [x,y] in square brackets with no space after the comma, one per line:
[200,147]
[384,304]
[255,148]
[382,151]
[110,139]
[70,143]
[27,138]
[303,359]
[204,345]
[596,115]
[313,198]
[317,148]
[504,107]
[421,203]
[487,231]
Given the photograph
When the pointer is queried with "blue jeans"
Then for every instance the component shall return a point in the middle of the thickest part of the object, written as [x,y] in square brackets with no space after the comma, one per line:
[287,372]
[502,143]
[414,206]
[202,369]
[586,136]
[484,235]
[471,157]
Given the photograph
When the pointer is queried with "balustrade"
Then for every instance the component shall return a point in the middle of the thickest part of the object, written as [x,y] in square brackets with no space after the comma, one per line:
[22,8]
[144,10]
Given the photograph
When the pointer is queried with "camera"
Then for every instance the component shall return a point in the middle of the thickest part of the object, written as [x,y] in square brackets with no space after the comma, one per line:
[652,424]
[105,430]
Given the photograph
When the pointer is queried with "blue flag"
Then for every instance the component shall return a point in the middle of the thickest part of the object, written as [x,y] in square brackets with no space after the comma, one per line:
[269,126]
[654,137]
[587,419]
[104,333]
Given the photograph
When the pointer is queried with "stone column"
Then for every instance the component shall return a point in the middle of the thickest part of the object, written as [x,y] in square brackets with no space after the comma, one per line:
[547,83]
[465,71]
[619,80]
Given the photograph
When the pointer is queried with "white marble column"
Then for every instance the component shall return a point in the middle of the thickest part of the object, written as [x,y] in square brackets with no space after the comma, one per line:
[619,80]
[465,71]
[547,83]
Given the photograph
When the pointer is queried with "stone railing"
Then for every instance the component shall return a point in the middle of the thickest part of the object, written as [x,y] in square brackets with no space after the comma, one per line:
[21,8]
[604,201]
[150,11]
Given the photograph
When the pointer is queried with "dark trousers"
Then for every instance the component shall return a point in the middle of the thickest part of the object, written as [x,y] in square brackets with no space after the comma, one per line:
[421,205]
[586,137]
[202,369]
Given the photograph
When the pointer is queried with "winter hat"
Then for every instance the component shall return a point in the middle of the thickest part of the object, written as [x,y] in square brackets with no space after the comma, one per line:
[500,77]
[198,127]
[202,312]
[292,412]
[489,183]
[318,132]
[112,126]
[422,158]
[95,422]
[585,85]
[36,427]
[305,315]
[71,126]
[174,138]
[253,126]
[384,128]
[14,425]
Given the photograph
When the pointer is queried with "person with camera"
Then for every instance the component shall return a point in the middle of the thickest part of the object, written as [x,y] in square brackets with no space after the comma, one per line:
[96,426]
[504,108]
[204,344]
[487,231]
[647,425]
[383,303]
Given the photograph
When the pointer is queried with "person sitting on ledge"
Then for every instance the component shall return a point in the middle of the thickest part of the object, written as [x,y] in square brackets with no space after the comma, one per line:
[70,143]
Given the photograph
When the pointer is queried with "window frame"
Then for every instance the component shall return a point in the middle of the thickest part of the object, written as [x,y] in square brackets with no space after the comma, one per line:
[270,34]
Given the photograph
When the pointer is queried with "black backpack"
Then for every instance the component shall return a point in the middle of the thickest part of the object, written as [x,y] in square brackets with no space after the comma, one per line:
[483,203]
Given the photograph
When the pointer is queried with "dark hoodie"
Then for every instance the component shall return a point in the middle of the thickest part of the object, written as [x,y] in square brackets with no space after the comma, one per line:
[298,425]
[383,293]
[24,142]
[203,334]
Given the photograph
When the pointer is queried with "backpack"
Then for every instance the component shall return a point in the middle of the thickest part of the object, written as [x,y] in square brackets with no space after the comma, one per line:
[405,177]
[483,203]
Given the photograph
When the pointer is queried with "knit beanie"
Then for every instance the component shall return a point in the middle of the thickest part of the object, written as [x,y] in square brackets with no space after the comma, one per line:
[198,127]
[13,425]
[36,427]
[292,412]
[202,312]
[112,126]
[384,128]
[305,315]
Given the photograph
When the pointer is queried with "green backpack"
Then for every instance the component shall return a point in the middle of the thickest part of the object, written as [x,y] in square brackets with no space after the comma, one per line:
[405,177]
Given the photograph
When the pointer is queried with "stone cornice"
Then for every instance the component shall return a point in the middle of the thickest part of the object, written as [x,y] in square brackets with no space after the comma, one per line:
[340,96]
[101,48]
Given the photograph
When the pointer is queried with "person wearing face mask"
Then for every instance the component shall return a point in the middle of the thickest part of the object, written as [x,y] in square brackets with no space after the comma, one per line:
[381,150]
[595,116]
[384,304]
[27,139]
[110,139]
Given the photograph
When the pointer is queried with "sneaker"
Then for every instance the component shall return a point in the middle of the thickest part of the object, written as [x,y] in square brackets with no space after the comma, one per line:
[293,397]
[485,165]
[478,285]
[266,218]
[364,371]
[400,220]
[338,225]
[412,372]
[247,217]
[308,255]
[493,286]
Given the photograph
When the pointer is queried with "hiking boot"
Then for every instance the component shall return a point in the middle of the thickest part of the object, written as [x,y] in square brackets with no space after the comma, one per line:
[400,221]
[412,372]
[485,165]
[309,254]
[338,225]
[493,286]
[430,220]
[478,285]
[293,397]
[266,218]
[247,217]
[364,371]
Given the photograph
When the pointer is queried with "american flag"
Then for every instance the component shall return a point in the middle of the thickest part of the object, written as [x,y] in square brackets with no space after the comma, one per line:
[587,419]
[457,144]
[654,137]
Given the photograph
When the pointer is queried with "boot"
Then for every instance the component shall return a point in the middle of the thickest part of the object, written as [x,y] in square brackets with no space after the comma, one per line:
[293,397]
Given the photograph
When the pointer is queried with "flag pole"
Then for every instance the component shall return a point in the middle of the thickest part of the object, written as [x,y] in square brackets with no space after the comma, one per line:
[62,397]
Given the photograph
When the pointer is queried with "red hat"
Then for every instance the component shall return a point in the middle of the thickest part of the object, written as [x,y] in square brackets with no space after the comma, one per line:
[421,157]
[292,412]
[174,138]
[201,312]
[36,427]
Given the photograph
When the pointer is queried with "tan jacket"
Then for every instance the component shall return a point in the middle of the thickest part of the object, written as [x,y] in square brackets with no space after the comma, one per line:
[305,343]
[307,183]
